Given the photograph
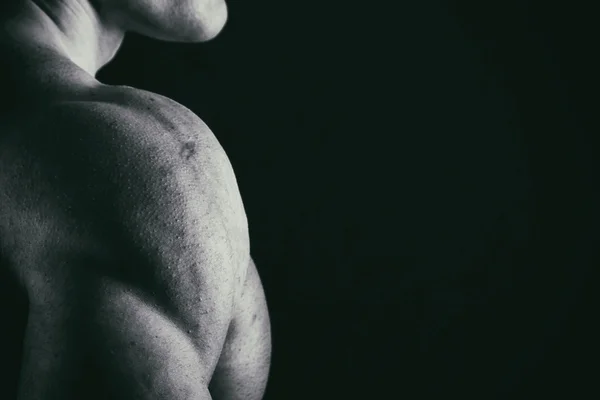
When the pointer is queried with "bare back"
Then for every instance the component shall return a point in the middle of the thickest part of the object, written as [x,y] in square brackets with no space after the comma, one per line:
[123,230]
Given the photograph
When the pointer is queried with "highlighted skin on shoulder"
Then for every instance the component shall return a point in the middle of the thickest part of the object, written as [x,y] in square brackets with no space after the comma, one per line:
[140,264]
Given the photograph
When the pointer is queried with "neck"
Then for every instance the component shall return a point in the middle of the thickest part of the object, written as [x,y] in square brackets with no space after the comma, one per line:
[67,31]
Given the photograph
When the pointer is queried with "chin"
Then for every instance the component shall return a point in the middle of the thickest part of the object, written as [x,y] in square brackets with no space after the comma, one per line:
[203,21]
[192,21]
[210,29]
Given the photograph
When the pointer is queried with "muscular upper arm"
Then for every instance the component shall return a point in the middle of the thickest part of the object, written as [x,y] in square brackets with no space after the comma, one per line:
[133,278]
[243,368]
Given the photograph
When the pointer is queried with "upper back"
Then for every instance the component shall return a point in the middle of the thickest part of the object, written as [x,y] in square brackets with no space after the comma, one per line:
[119,166]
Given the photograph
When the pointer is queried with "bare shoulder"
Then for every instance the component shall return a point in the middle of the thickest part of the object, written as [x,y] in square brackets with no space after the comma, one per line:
[126,208]
[135,120]
[113,120]
[130,165]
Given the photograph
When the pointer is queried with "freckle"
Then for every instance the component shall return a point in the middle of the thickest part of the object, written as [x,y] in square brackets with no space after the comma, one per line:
[254,317]
[132,343]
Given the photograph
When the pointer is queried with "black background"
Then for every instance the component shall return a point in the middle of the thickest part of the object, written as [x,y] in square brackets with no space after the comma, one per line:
[418,181]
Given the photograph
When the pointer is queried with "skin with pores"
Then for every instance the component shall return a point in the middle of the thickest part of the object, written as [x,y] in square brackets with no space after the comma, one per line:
[120,217]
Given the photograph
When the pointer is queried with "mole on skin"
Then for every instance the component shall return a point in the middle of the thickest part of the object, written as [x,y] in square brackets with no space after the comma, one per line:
[188,150]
